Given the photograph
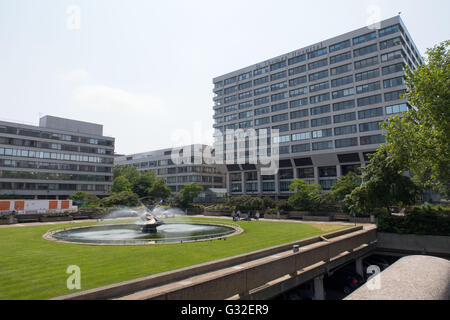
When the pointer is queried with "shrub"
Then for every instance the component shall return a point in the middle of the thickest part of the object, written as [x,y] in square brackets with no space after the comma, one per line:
[284,206]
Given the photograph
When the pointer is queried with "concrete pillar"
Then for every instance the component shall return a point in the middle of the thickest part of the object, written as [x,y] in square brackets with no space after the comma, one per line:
[359,267]
[243,182]
[319,292]
[316,175]
[277,185]
[228,183]
[338,171]
[295,173]
[259,181]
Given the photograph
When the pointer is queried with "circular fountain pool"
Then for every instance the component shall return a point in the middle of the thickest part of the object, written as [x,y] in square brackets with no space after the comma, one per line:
[132,234]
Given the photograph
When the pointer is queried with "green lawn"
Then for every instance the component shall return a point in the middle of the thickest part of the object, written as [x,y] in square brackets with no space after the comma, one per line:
[34,268]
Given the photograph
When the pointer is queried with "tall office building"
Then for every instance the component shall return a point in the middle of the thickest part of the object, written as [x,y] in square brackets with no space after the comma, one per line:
[196,167]
[327,101]
[55,159]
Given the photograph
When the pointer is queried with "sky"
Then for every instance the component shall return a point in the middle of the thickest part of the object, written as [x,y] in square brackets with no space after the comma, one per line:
[144,69]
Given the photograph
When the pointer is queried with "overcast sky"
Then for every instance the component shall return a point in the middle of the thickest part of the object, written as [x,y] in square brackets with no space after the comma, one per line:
[144,68]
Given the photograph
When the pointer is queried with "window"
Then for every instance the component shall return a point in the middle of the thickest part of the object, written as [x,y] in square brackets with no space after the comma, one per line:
[340,46]
[390,43]
[246,124]
[261,90]
[318,64]
[322,133]
[322,145]
[365,50]
[375,73]
[399,108]
[318,75]
[300,114]
[372,139]
[297,70]
[389,30]
[327,184]
[261,111]
[320,98]
[278,65]
[230,99]
[299,125]
[245,85]
[319,110]
[368,87]
[349,104]
[278,86]
[297,81]
[341,81]
[320,122]
[370,113]
[341,69]
[280,117]
[364,38]
[246,114]
[297,59]
[260,81]
[260,71]
[344,143]
[261,101]
[281,139]
[343,93]
[231,117]
[261,121]
[341,57]
[244,105]
[301,148]
[394,95]
[301,136]
[245,76]
[369,100]
[394,82]
[298,92]
[218,111]
[317,53]
[218,85]
[230,80]
[245,95]
[280,106]
[392,55]
[393,68]
[268,186]
[344,117]
[339,131]
[319,86]
[230,90]
[366,62]
[281,127]
[306,173]
[280,96]
[298,103]
[278,75]
[369,126]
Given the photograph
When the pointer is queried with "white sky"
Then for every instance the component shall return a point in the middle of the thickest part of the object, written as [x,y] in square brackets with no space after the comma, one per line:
[144,69]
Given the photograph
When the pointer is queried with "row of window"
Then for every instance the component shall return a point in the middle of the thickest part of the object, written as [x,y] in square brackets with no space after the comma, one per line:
[5,174]
[52,166]
[53,186]
[53,156]
[54,136]
[206,179]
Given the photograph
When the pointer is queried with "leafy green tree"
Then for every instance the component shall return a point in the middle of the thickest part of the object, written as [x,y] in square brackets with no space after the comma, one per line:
[188,193]
[344,186]
[268,202]
[120,184]
[86,198]
[305,195]
[420,138]
[159,190]
[383,184]
[129,172]
[123,198]
[144,183]
[246,203]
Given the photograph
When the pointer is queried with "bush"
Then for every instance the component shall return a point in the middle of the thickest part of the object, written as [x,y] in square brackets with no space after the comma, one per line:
[284,206]
[246,203]
[268,202]
[124,198]
[223,208]
[271,211]
[420,222]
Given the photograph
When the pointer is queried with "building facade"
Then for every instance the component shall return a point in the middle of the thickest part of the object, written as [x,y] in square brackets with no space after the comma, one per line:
[326,101]
[194,168]
[55,159]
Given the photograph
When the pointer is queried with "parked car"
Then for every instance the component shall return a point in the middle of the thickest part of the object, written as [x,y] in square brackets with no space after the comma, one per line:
[343,281]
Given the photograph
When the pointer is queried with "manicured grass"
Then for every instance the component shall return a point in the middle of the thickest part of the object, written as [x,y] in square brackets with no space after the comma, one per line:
[34,268]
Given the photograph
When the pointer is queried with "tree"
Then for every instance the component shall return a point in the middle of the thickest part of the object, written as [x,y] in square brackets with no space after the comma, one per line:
[189,192]
[246,203]
[86,198]
[305,194]
[144,183]
[120,184]
[419,139]
[344,186]
[123,198]
[159,190]
[383,184]
[129,172]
